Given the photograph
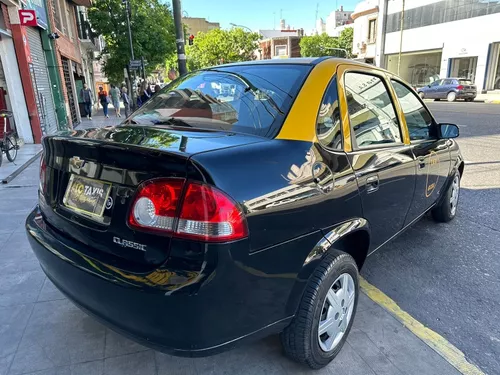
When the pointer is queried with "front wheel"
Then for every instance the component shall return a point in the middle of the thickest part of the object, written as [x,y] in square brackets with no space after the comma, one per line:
[422,95]
[10,147]
[447,209]
[326,312]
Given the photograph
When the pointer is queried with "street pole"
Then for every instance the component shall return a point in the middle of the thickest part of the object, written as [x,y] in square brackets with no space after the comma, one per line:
[401,35]
[179,35]
[131,84]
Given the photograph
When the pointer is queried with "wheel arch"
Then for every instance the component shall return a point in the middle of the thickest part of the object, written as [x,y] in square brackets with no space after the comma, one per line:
[351,237]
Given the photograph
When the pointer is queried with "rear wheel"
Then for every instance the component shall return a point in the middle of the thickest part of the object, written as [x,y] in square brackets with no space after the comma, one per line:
[325,314]
[469,99]
[10,147]
[452,96]
[447,209]
[437,100]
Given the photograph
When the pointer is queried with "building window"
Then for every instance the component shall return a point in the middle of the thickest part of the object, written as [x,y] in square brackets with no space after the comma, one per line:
[441,12]
[70,21]
[372,30]
[56,10]
[417,68]
[279,50]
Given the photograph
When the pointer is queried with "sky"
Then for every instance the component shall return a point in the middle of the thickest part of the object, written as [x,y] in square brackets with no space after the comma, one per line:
[261,14]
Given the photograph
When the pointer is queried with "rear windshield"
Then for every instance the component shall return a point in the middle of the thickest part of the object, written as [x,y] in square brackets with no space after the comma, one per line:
[464,82]
[252,99]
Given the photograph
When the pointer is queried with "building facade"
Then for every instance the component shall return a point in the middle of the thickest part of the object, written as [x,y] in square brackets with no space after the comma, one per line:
[336,20]
[366,40]
[444,38]
[63,16]
[279,44]
[194,25]
[11,93]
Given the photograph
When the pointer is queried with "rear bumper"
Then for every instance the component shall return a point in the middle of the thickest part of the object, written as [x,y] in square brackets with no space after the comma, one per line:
[466,95]
[182,312]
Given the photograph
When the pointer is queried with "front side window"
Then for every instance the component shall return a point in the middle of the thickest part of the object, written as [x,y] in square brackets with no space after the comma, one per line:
[250,99]
[328,128]
[418,119]
[371,111]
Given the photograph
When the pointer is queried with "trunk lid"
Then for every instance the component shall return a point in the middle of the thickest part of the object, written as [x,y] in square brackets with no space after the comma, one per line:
[114,161]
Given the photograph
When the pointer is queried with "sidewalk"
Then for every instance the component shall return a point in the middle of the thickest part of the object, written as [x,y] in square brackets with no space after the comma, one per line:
[25,156]
[99,121]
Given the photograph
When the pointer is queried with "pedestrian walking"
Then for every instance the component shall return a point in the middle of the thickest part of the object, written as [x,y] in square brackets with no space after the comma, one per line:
[126,101]
[157,89]
[87,96]
[104,100]
[115,99]
[144,96]
[172,74]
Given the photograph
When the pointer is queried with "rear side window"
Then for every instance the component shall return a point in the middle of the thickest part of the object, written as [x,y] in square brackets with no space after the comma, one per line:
[418,120]
[251,99]
[371,111]
[328,126]
[449,82]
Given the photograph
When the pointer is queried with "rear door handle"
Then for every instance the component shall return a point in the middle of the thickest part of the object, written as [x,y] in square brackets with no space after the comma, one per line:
[372,184]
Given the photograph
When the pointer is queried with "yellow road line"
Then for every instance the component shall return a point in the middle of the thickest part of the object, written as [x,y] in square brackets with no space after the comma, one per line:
[437,342]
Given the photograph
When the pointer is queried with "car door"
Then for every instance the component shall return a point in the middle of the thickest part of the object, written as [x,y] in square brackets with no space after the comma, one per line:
[379,153]
[431,92]
[432,155]
[444,89]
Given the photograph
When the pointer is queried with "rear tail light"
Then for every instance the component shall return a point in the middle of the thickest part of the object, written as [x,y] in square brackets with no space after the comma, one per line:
[196,211]
[43,173]
[460,87]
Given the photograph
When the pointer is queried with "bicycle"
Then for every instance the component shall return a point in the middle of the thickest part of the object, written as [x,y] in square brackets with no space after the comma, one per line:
[8,140]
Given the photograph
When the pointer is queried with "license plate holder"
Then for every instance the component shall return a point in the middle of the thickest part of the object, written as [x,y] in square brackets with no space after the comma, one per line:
[86,196]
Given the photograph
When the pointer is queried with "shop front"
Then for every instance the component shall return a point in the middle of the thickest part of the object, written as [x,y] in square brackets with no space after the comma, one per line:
[11,91]
[417,68]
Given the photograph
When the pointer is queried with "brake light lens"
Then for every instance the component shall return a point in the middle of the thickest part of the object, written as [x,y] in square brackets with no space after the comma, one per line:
[196,211]
[209,215]
[460,87]
[43,173]
[156,203]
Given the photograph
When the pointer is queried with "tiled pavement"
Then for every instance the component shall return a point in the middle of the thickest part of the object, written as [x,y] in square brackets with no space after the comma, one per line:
[42,333]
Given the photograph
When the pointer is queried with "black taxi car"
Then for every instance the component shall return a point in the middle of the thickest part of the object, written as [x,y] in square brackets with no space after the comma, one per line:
[211,217]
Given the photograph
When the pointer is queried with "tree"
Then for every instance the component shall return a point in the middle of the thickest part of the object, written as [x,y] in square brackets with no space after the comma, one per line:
[345,39]
[221,46]
[153,33]
[318,45]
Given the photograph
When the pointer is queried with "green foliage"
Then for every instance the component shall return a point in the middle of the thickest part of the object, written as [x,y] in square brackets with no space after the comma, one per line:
[152,27]
[221,46]
[345,39]
[318,45]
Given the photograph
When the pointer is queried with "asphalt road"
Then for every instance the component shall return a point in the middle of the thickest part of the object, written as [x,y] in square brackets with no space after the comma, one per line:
[447,276]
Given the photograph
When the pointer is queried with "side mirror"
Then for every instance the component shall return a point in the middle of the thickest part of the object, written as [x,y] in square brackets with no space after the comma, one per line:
[448,131]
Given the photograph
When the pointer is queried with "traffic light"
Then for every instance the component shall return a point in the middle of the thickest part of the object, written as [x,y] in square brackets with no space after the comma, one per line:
[191,38]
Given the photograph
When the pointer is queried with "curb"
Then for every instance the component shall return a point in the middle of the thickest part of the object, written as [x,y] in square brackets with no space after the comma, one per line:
[21,168]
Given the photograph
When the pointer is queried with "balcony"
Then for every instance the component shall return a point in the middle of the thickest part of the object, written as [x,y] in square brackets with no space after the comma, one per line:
[88,39]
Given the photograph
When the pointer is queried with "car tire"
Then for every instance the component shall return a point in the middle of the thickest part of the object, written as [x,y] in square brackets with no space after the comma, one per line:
[452,96]
[422,95]
[446,210]
[437,100]
[330,298]
[469,99]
